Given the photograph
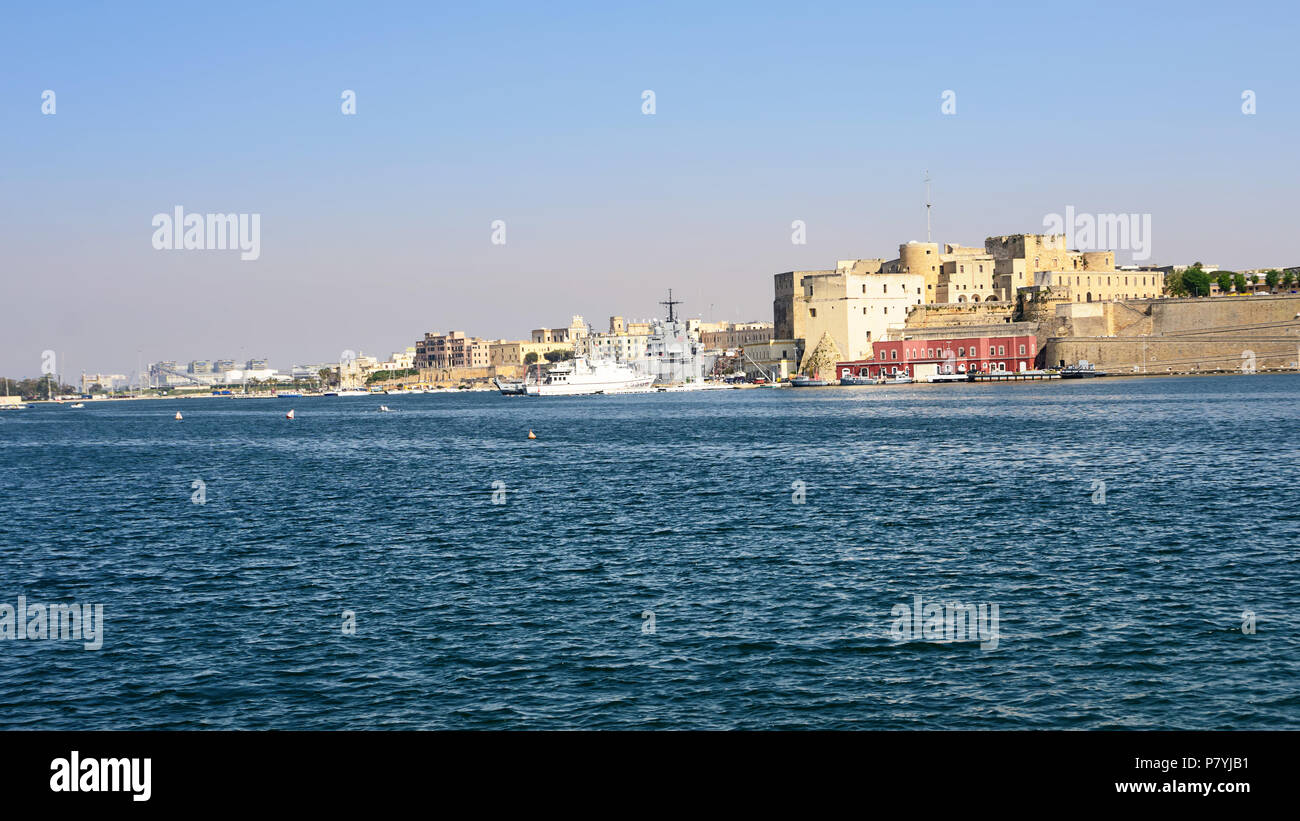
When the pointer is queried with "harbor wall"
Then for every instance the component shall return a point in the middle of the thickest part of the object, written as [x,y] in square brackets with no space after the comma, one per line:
[451,377]
[1177,335]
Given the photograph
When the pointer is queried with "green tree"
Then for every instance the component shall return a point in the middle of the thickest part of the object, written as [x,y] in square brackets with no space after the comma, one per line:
[1288,277]
[1195,281]
[558,356]
[531,358]
[1271,278]
[1239,281]
[1225,282]
[1174,284]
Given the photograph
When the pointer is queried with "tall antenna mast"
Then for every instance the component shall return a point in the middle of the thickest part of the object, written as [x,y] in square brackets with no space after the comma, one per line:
[670,302]
[927,206]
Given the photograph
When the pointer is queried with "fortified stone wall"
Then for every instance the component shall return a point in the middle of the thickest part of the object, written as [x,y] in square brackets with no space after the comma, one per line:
[1196,315]
[1177,335]
[1166,354]
[944,315]
[455,376]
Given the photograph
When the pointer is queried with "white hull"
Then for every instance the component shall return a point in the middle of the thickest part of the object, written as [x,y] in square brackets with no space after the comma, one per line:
[586,388]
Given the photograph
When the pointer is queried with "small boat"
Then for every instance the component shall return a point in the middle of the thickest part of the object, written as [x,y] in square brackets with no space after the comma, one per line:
[896,380]
[385,409]
[1083,370]
[802,381]
[289,394]
[178,416]
[289,415]
[856,380]
[78,405]
[510,388]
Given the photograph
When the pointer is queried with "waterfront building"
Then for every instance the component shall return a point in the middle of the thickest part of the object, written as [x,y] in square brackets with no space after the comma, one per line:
[621,347]
[726,336]
[107,381]
[240,376]
[310,371]
[505,353]
[400,360]
[572,335]
[451,350]
[1108,286]
[857,303]
[353,372]
[774,359]
[921,358]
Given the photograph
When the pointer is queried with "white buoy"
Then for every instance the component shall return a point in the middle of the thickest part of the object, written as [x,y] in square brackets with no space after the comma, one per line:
[178,416]
[289,415]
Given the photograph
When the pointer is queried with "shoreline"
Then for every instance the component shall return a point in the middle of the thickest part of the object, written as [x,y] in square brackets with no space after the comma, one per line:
[745,386]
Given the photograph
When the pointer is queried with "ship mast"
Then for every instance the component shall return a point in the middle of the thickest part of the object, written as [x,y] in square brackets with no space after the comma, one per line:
[670,302]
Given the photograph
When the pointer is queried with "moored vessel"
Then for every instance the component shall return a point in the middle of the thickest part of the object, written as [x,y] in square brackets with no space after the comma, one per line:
[516,387]
[1082,370]
[801,381]
[857,380]
[579,376]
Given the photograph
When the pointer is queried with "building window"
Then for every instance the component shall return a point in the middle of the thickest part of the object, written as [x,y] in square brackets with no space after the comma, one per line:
[1022,350]
[893,354]
[1002,350]
[812,312]
[961,351]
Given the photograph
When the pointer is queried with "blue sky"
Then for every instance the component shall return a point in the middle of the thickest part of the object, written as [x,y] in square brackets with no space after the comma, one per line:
[376,227]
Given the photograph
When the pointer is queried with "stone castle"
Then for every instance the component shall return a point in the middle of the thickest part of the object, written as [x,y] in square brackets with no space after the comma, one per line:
[1078,304]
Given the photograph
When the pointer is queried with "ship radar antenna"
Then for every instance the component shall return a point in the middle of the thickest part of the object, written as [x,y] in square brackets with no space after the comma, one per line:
[670,302]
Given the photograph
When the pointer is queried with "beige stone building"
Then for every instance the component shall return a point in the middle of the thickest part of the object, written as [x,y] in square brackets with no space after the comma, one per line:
[967,277]
[571,335]
[451,350]
[507,353]
[730,335]
[856,303]
[776,358]
[1018,257]
[1104,286]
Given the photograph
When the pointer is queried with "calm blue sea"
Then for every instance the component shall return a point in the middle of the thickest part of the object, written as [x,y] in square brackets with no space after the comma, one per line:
[650,565]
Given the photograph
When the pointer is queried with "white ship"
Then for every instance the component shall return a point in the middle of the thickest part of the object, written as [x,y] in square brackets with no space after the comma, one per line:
[578,376]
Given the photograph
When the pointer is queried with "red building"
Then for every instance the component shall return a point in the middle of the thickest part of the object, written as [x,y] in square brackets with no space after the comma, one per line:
[983,354]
